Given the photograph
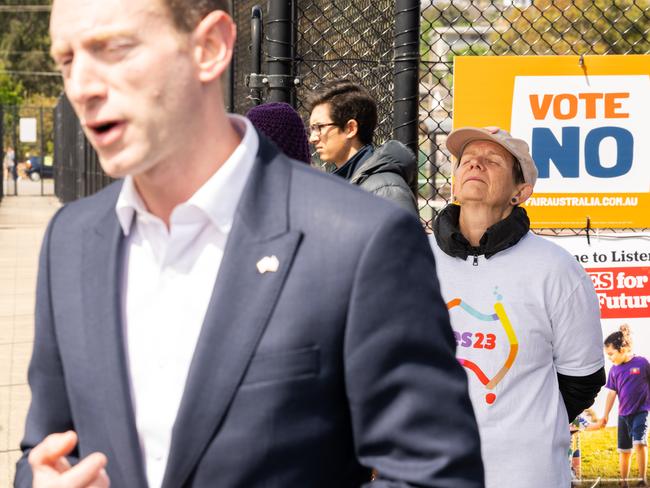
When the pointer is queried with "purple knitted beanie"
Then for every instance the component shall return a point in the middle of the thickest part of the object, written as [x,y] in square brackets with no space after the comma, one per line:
[281,123]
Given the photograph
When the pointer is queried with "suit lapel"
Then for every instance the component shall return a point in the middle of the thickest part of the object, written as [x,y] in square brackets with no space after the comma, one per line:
[241,305]
[101,276]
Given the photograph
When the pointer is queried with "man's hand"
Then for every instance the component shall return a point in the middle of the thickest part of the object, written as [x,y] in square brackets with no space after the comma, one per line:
[52,470]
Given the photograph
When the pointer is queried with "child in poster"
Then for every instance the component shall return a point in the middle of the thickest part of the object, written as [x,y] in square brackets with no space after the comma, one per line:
[629,379]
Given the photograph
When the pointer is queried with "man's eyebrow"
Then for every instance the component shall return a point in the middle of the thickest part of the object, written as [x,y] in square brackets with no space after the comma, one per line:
[60,48]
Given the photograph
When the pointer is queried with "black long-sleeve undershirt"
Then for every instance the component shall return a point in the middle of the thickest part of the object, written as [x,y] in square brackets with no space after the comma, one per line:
[579,392]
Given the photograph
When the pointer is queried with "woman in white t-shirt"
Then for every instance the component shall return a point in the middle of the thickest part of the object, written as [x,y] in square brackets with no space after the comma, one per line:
[516,302]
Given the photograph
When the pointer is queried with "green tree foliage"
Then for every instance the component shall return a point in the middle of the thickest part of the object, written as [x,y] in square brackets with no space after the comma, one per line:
[24,47]
[10,90]
[575,27]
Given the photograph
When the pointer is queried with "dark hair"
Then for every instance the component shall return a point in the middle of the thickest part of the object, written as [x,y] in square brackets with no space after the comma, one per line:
[348,101]
[187,14]
[620,339]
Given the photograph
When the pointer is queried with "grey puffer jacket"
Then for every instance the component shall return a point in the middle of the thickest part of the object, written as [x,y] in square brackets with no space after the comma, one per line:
[390,172]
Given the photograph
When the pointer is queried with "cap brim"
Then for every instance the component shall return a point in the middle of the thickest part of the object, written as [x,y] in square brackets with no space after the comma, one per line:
[459,138]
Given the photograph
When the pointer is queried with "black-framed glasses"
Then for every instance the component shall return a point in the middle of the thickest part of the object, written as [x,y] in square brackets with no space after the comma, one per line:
[317,128]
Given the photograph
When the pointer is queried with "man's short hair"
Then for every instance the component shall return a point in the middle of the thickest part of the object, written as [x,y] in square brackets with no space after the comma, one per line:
[347,101]
[187,14]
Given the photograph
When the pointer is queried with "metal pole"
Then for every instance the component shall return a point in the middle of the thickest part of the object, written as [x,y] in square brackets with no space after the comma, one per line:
[18,155]
[42,139]
[256,50]
[280,51]
[407,60]
[58,153]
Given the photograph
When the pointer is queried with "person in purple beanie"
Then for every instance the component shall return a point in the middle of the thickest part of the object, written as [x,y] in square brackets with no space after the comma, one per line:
[281,123]
[629,379]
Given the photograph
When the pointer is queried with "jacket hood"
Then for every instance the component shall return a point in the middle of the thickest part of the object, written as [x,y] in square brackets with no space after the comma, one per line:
[391,157]
[501,236]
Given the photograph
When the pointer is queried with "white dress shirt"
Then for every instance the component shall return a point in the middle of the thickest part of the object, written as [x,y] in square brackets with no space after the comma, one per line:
[168,280]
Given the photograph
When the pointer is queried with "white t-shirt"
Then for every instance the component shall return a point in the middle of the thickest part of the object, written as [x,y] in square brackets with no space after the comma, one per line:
[519,318]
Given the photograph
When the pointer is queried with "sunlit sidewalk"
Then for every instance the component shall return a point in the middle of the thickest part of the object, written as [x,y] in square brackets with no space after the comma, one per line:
[22,223]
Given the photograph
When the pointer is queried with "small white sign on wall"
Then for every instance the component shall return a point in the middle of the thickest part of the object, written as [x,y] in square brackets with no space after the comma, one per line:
[28,131]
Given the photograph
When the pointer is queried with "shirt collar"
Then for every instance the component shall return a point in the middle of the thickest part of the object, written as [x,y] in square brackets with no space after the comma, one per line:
[219,195]
[348,170]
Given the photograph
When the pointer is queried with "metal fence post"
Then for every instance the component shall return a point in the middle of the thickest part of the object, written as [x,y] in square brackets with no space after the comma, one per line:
[407,59]
[257,35]
[42,145]
[58,149]
[18,155]
[279,28]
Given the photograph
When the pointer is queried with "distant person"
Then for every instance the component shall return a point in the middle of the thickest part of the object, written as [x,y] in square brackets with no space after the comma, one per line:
[341,128]
[629,379]
[9,164]
[524,312]
[282,124]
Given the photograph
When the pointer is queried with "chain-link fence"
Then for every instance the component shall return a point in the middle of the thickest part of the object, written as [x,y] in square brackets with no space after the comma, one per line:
[348,39]
[507,27]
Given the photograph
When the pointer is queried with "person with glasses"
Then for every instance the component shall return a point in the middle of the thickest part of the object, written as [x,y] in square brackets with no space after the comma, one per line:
[341,128]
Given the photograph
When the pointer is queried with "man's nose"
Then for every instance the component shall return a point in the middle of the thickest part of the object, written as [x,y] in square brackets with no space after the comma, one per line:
[313,137]
[84,83]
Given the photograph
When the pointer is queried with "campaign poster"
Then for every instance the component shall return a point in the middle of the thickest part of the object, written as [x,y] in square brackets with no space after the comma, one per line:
[619,267]
[585,120]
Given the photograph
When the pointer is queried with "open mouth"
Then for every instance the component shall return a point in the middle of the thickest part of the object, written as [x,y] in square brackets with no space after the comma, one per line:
[103,128]
[106,133]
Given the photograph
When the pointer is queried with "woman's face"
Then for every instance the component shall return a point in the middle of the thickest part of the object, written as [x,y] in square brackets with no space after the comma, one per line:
[485,174]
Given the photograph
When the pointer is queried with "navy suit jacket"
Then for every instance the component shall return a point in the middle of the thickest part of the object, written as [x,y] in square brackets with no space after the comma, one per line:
[340,362]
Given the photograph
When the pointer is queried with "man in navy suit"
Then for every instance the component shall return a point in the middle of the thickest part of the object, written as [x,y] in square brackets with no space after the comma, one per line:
[219,317]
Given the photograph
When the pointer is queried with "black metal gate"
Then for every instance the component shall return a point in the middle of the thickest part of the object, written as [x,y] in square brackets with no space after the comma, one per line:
[78,172]
[26,150]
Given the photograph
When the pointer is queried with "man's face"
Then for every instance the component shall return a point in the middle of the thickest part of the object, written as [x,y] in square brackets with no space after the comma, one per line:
[484,174]
[332,144]
[130,78]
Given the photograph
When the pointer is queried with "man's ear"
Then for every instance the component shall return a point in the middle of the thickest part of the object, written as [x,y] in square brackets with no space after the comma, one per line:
[524,191]
[214,40]
[351,129]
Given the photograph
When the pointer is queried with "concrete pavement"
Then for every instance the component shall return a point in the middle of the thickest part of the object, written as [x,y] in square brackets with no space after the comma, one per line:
[23,220]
